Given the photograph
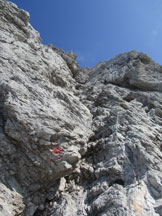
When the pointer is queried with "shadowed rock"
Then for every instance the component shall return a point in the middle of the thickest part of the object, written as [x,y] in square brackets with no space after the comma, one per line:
[108,120]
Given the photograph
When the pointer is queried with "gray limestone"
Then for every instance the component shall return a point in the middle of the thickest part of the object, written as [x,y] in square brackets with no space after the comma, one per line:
[108,120]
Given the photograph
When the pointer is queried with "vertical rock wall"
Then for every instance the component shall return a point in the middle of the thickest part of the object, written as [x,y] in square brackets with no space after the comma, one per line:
[108,120]
[39,109]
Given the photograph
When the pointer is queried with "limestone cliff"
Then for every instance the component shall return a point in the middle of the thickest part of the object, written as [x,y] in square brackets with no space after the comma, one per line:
[108,120]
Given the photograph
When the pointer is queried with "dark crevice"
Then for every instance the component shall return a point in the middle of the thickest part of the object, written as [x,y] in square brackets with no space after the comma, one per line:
[38,212]
[129,154]
[129,98]
[2,118]
[93,150]
[131,87]
[117,181]
[92,138]
[158,210]
[161,147]
[103,132]
[125,84]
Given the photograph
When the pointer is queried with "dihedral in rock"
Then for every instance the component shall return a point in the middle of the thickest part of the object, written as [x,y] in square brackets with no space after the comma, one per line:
[108,121]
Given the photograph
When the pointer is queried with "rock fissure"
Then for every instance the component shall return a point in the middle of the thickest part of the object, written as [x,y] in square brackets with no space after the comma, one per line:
[107,119]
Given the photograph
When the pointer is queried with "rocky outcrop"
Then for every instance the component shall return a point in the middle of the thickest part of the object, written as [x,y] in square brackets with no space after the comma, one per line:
[108,120]
[124,96]
[39,108]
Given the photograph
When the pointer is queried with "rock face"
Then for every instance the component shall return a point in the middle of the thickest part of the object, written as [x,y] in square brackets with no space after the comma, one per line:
[108,120]
[38,108]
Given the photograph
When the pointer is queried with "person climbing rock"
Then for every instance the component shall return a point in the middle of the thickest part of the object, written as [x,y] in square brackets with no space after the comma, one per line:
[57,151]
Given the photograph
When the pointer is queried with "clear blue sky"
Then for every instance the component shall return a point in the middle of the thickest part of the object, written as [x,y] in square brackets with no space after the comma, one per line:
[97,30]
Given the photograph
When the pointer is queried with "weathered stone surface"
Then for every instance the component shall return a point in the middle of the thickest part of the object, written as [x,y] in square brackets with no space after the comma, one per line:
[108,120]
[121,170]
[37,102]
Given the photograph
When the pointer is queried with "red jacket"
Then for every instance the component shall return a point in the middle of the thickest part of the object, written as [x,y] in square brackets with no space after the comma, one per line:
[58,151]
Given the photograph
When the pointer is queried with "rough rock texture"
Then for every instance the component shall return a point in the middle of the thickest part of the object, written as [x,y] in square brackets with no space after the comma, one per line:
[108,120]
[38,108]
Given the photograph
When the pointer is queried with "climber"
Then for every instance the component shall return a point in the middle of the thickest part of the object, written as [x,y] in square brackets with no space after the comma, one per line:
[58,152]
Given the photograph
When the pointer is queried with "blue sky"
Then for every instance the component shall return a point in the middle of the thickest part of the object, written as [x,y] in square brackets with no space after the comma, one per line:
[98,30]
